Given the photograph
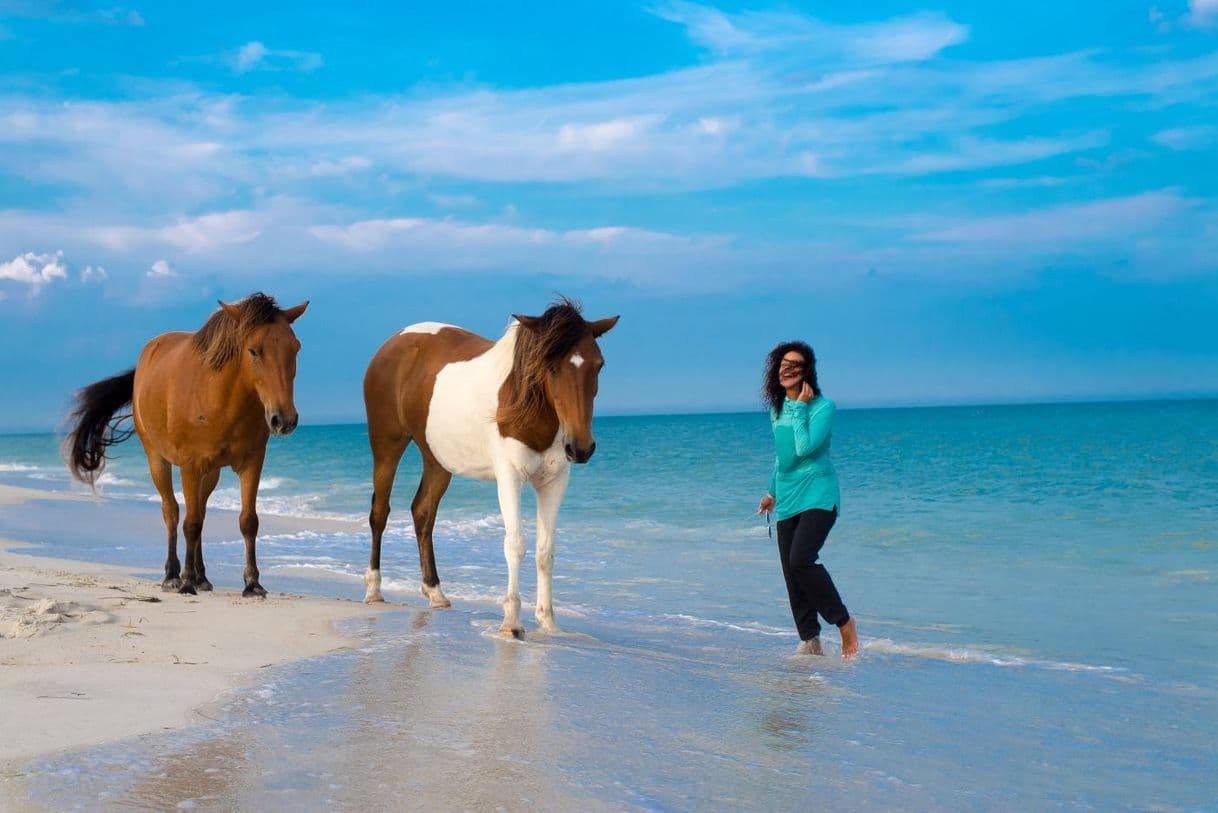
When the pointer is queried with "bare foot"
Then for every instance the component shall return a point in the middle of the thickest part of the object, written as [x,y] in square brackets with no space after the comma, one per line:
[810,647]
[850,639]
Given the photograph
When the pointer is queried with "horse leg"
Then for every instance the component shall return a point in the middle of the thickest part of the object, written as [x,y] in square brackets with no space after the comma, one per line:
[431,489]
[192,528]
[208,486]
[251,474]
[549,498]
[386,454]
[162,478]
[509,486]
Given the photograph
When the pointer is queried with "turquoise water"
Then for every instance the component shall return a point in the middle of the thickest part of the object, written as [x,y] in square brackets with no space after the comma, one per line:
[1035,588]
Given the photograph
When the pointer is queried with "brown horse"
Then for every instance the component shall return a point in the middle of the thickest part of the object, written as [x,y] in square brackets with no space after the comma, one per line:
[517,410]
[200,402]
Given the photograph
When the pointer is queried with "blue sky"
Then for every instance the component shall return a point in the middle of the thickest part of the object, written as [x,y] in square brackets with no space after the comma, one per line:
[954,203]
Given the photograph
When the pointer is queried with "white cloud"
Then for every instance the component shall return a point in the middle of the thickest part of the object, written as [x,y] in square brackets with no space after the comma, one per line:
[34,270]
[370,235]
[298,237]
[326,168]
[602,136]
[454,201]
[1202,13]
[254,56]
[161,269]
[249,56]
[1066,225]
[1188,138]
[901,39]
[790,111]
[1033,182]
[196,151]
[198,234]
[322,183]
[93,273]
[970,154]
[619,252]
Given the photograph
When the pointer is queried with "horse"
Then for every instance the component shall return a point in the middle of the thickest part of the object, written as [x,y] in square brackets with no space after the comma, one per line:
[517,410]
[201,402]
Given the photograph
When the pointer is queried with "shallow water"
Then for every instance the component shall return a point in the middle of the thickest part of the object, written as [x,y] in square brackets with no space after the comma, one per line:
[1034,587]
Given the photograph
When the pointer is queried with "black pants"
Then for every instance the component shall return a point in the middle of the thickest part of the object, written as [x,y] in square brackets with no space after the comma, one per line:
[809,585]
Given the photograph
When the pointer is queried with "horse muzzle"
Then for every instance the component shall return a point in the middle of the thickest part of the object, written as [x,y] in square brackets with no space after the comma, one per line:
[282,423]
[578,454]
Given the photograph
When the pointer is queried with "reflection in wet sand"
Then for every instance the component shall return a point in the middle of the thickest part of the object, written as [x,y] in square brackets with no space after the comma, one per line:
[473,732]
[435,711]
[209,775]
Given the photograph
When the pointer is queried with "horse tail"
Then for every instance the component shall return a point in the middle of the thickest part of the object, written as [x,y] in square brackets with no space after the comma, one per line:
[94,425]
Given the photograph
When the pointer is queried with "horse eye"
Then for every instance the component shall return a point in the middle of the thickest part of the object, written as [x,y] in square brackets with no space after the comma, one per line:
[255,352]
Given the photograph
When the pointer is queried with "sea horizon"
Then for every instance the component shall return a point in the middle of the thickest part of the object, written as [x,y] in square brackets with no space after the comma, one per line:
[743,410]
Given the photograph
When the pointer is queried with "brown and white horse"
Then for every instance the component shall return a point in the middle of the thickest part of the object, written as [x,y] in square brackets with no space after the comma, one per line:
[515,411]
[200,401]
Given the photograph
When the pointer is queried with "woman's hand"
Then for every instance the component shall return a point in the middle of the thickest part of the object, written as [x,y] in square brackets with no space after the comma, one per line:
[805,393]
[766,505]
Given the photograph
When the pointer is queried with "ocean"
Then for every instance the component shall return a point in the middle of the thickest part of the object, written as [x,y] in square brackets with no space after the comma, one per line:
[1036,589]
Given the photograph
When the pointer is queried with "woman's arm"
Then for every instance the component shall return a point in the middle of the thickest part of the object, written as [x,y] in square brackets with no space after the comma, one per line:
[811,425]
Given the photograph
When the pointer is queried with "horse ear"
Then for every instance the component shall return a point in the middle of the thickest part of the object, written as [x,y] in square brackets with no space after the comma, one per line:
[292,314]
[531,322]
[231,310]
[602,326]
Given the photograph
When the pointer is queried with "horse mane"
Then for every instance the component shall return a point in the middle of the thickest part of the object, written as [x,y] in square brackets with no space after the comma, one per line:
[220,338]
[539,349]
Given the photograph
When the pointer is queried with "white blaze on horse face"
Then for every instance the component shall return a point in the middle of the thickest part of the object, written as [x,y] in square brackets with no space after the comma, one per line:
[424,327]
[577,360]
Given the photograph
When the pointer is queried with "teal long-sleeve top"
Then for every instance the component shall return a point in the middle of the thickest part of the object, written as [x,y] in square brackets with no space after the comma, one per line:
[804,477]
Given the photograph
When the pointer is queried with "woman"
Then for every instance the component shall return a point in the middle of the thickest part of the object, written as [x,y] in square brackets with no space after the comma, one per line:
[804,492]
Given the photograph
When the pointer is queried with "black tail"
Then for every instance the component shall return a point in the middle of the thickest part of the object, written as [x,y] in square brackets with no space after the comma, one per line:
[94,426]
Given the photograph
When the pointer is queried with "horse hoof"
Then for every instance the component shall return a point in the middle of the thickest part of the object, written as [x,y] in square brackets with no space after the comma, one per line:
[377,599]
[512,632]
[204,586]
[171,585]
[436,597]
[188,589]
[253,590]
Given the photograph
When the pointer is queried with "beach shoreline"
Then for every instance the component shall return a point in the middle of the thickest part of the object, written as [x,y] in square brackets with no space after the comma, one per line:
[90,654]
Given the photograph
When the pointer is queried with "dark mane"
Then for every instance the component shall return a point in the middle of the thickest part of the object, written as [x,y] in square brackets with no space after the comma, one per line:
[220,338]
[538,350]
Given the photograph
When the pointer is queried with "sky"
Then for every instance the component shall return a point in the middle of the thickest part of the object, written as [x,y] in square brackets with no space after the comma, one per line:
[958,202]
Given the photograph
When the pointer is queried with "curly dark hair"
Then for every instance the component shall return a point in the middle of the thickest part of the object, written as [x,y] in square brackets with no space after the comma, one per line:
[772,392]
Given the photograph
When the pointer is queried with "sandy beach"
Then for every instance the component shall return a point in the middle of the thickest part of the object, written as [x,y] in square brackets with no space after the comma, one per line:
[90,655]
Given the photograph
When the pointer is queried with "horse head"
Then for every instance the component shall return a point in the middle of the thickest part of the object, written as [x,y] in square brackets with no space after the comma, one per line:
[570,381]
[268,363]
